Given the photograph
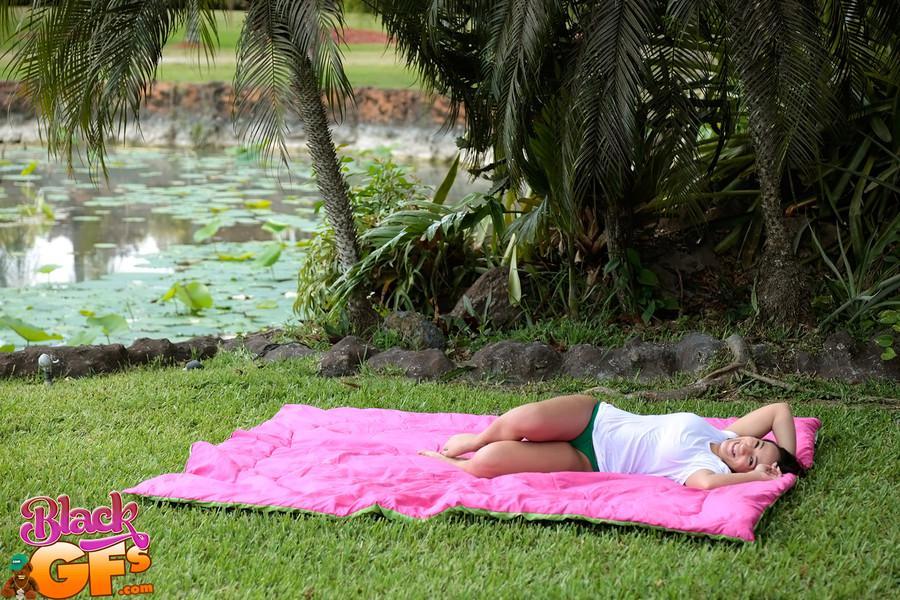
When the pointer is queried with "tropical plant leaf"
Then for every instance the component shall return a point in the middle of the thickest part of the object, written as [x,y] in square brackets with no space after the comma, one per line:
[109,323]
[29,333]
[29,169]
[194,295]
[270,255]
[441,194]
[207,231]
[83,338]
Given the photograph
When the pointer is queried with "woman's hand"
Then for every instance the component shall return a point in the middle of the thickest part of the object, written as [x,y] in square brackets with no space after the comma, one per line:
[766,472]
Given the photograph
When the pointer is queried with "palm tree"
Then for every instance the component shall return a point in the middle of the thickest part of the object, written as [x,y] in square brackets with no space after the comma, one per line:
[88,65]
[569,95]
[554,90]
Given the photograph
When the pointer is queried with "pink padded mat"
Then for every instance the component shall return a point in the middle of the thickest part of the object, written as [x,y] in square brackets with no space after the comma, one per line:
[346,461]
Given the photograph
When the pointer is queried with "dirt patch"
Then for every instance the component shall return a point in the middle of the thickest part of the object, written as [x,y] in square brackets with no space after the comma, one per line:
[361,36]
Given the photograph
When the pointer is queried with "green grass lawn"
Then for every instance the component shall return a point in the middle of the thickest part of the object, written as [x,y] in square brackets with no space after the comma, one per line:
[835,535]
[365,64]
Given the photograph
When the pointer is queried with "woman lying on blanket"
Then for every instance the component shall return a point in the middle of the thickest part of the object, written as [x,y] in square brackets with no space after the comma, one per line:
[577,433]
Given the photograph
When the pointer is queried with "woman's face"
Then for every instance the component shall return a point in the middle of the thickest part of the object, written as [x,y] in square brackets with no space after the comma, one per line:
[742,454]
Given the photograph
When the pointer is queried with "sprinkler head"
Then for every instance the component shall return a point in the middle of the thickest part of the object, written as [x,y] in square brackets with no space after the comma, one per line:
[45,363]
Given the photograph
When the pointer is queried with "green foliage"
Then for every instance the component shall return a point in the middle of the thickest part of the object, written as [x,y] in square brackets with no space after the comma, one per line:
[207,231]
[108,324]
[27,332]
[891,318]
[47,269]
[193,294]
[416,254]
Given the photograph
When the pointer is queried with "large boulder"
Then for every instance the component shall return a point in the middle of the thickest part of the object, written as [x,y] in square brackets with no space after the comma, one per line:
[646,360]
[845,358]
[695,352]
[257,344]
[416,364]
[489,295]
[199,348]
[73,361]
[516,361]
[289,351]
[345,357]
[584,361]
[147,350]
[416,332]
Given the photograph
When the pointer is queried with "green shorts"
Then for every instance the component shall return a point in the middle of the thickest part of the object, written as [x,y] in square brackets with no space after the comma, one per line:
[584,443]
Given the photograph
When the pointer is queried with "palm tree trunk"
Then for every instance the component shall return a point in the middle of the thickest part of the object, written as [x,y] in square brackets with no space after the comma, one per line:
[616,245]
[334,190]
[784,293]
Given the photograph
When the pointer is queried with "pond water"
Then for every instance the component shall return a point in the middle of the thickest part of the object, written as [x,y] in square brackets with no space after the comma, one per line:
[73,250]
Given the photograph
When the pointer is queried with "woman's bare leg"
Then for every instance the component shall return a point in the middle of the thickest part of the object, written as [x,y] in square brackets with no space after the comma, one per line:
[558,419]
[505,457]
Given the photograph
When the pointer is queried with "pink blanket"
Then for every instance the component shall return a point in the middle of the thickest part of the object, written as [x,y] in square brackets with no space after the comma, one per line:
[348,460]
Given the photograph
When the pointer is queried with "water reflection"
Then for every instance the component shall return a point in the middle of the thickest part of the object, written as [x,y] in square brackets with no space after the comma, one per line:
[152,200]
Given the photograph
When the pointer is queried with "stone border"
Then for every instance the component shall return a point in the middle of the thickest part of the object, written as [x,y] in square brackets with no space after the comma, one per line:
[506,361]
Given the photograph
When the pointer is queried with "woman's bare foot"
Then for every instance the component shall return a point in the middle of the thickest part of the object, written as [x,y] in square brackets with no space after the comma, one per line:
[459,444]
[457,462]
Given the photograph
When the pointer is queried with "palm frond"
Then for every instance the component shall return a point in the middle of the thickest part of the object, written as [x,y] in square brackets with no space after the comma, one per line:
[443,48]
[316,29]
[607,81]
[263,79]
[88,65]
[520,31]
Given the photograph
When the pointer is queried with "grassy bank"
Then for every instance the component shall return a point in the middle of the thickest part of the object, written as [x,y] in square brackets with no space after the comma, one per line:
[834,535]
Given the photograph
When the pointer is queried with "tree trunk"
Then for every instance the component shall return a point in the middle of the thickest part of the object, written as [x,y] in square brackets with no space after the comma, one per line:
[784,293]
[616,245]
[334,190]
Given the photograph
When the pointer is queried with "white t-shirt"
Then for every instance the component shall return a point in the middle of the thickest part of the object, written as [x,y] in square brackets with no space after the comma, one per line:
[674,446]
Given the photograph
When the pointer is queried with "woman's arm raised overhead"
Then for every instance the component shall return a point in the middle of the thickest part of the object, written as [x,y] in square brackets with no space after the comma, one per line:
[776,418]
[705,479]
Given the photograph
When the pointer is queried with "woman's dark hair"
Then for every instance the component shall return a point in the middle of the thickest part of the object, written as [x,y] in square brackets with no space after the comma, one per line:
[788,463]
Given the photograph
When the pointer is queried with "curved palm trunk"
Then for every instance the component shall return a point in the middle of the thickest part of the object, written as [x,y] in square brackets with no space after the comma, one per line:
[784,293]
[334,189]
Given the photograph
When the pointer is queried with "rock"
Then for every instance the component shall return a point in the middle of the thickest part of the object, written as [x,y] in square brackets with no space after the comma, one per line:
[844,358]
[77,361]
[421,364]
[146,350]
[696,351]
[256,344]
[415,330]
[345,357]
[646,360]
[193,365]
[765,357]
[584,361]
[288,351]
[489,295]
[517,361]
[868,362]
[198,348]
[805,363]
